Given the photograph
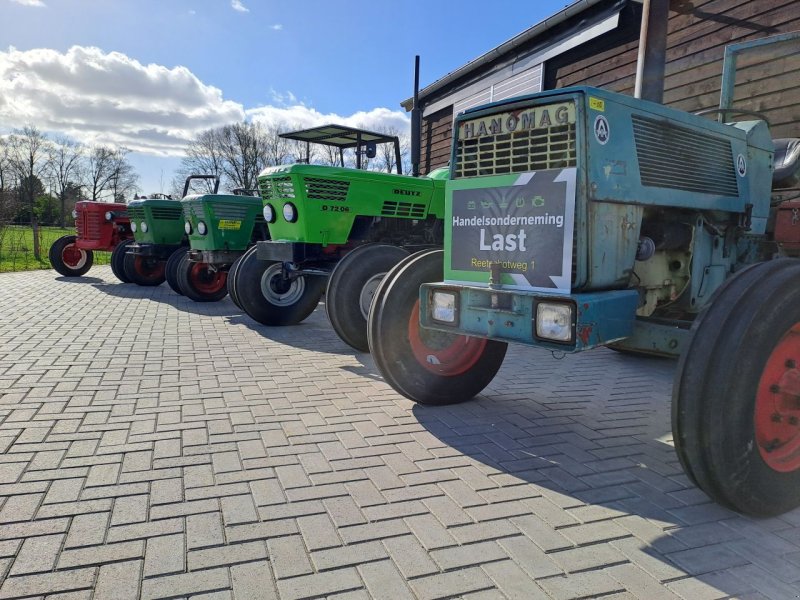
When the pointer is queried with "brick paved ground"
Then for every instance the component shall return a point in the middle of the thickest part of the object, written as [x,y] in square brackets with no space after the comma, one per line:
[154,447]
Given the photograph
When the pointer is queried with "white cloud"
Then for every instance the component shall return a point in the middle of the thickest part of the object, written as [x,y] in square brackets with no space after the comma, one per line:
[110,98]
[277,27]
[300,116]
[237,5]
[37,3]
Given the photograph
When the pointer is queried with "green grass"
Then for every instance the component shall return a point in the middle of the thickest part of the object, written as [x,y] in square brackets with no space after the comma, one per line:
[16,248]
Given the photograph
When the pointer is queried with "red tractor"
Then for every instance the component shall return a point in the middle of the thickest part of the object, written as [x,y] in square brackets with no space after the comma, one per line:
[100,226]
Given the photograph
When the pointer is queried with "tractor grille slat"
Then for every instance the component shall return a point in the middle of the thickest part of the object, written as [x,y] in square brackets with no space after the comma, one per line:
[136,213]
[677,158]
[93,226]
[403,209]
[234,212]
[164,213]
[517,152]
[326,189]
[276,188]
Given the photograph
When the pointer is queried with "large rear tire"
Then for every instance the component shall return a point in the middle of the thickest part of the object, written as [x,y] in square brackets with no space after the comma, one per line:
[736,394]
[352,286]
[430,367]
[118,260]
[200,282]
[171,270]
[144,270]
[69,260]
[269,298]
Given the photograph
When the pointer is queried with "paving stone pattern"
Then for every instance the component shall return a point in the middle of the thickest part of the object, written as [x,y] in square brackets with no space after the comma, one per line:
[154,447]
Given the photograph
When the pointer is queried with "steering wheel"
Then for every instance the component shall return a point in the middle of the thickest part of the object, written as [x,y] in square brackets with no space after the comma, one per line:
[736,111]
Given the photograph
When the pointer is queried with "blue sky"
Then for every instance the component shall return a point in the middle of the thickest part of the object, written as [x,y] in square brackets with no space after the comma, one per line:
[151,74]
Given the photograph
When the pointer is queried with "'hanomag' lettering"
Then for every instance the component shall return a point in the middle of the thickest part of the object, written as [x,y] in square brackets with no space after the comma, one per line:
[537,117]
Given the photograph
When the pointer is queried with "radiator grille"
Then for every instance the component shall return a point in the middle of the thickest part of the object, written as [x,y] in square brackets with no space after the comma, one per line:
[276,188]
[234,212]
[673,157]
[403,209]
[167,213]
[517,152]
[89,225]
[136,213]
[325,189]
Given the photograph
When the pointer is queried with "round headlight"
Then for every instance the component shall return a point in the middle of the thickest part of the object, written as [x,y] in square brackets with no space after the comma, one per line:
[74,214]
[289,212]
[269,213]
[201,228]
[133,227]
[108,215]
[187,227]
[144,227]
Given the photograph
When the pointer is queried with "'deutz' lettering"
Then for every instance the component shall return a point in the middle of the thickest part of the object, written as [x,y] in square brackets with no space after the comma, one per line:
[509,241]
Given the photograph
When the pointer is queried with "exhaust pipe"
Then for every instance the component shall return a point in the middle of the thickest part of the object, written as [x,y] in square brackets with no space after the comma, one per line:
[416,123]
[652,60]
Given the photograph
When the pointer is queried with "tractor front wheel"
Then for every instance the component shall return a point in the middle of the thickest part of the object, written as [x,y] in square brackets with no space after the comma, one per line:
[118,260]
[429,367]
[352,286]
[69,260]
[272,299]
[144,270]
[200,282]
[171,270]
[736,395]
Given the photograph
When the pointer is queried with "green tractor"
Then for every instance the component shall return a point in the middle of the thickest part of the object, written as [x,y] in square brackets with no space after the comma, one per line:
[335,230]
[220,227]
[578,218]
[157,225]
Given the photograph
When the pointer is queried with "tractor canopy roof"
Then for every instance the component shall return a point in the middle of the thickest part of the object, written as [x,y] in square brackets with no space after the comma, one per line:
[339,136]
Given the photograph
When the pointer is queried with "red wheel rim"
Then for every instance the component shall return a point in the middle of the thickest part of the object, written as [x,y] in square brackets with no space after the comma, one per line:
[73,257]
[444,354]
[206,281]
[149,268]
[777,413]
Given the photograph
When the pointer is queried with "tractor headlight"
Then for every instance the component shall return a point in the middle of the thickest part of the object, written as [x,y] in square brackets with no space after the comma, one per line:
[554,321]
[74,214]
[144,227]
[443,307]
[289,212]
[133,227]
[269,213]
[109,216]
[187,227]
[201,228]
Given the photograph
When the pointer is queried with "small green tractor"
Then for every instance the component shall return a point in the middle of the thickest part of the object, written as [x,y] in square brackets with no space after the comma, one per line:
[99,226]
[157,224]
[220,227]
[578,218]
[335,230]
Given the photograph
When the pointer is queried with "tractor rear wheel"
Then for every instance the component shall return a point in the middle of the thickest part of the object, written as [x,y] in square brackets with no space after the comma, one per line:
[171,270]
[232,276]
[200,282]
[430,367]
[736,394]
[118,260]
[144,270]
[351,287]
[69,260]
[272,299]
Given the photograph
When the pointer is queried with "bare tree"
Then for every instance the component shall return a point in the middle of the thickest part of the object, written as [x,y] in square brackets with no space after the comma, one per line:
[124,181]
[203,157]
[98,171]
[64,167]
[28,152]
[386,160]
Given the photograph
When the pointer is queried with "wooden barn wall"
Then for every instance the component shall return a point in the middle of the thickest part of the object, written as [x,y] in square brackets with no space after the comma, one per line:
[698,33]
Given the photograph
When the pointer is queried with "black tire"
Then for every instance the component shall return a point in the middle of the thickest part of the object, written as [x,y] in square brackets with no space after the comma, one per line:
[269,299]
[118,260]
[232,276]
[428,367]
[144,270]
[351,287]
[68,260]
[201,283]
[725,393]
[171,270]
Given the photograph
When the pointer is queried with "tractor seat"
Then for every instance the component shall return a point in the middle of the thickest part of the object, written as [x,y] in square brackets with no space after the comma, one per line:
[787,164]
